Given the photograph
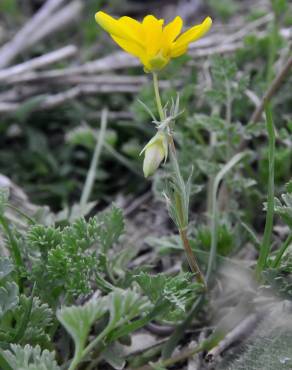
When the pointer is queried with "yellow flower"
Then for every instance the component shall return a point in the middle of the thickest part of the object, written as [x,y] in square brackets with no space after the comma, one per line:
[150,41]
[155,151]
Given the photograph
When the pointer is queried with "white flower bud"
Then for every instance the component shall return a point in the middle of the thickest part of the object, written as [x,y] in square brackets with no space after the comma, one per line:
[155,152]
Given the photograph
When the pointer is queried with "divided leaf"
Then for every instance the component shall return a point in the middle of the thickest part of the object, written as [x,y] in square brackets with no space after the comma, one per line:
[111,226]
[125,305]
[78,320]
[122,305]
[30,358]
[8,297]
[284,207]
[6,267]
[176,291]
[69,259]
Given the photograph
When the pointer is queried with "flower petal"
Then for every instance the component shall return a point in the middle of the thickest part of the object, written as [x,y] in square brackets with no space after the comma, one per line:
[134,27]
[153,34]
[130,47]
[191,35]
[122,28]
[172,30]
[177,52]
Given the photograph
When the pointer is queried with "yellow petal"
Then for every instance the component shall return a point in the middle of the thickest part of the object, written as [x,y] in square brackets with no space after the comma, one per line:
[191,35]
[130,47]
[177,52]
[134,27]
[153,34]
[172,30]
[120,28]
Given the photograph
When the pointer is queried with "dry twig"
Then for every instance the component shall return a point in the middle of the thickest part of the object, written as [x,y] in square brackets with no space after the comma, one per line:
[19,43]
[61,19]
[39,62]
[234,335]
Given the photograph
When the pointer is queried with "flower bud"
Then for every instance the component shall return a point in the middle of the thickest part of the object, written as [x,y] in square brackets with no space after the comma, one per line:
[155,151]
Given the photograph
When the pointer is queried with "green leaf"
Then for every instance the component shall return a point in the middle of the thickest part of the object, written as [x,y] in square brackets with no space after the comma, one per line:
[70,259]
[43,239]
[113,355]
[8,297]
[111,226]
[177,291]
[30,358]
[6,267]
[28,322]
[78,320]
[125,305]
[157,366]
[283,206]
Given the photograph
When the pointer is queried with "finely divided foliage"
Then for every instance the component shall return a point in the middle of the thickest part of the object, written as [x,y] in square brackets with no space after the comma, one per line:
[71,259]
[30,358]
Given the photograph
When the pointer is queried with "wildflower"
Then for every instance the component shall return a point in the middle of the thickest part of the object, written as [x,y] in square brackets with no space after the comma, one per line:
[150,41]
[155,151]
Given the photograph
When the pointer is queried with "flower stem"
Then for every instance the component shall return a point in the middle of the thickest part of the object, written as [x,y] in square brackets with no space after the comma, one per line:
[180,196]
[157,97]
[191,258]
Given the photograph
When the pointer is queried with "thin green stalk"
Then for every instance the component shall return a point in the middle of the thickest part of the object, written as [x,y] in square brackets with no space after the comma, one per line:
[180,195]
[76,360]
[266,243]
[180,330]
[228,116]
[272,50]
[157,96]
[281,251]
[87,189]
[214,221]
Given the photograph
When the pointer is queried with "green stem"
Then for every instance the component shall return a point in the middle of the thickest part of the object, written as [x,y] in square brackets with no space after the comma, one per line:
[94,163]
[157,96]
[191,258]
[180,196]
[266,243]
[281,251]
[272,49]
[77,358]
